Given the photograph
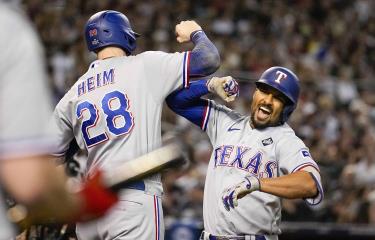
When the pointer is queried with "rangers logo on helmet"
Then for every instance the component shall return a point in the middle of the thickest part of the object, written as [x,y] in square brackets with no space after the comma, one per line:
[93,32]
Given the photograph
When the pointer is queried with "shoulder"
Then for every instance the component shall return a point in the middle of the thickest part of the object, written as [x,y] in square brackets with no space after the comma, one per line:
[70,95]
[158,54]
[286,137]
[285,129]
[64,101]
[226,112]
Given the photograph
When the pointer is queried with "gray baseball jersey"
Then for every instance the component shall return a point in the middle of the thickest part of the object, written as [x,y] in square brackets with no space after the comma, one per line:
[239,150]
[114,110]
[25,103]
[114,113]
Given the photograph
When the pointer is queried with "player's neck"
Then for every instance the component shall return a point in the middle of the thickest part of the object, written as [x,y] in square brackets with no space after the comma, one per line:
[110,52]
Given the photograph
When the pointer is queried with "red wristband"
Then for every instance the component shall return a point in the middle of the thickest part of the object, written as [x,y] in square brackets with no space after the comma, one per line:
[97,199]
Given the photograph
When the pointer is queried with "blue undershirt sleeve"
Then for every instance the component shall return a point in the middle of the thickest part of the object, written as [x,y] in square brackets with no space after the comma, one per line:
[204,58]
[187,102]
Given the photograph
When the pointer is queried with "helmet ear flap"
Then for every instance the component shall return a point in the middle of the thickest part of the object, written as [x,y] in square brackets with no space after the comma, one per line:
[287,111]
[131,44]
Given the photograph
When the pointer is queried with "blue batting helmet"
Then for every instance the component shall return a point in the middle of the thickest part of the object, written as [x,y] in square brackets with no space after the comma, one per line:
[110,28]
[284,81]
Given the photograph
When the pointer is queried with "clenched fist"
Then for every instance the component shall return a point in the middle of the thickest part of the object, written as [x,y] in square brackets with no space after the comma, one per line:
[225,87]
[184,29]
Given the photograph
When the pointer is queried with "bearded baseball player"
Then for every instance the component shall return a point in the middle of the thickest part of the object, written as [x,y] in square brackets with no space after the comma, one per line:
[114,113]
[256,159]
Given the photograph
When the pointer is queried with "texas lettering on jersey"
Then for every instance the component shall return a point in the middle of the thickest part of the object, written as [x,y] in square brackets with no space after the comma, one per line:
[246,159]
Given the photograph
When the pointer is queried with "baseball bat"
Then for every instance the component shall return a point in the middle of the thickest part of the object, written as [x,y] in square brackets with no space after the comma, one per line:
[168,156]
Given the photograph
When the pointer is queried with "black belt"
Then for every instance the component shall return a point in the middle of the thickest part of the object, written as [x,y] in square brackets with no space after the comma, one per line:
[137,185]
[250,237]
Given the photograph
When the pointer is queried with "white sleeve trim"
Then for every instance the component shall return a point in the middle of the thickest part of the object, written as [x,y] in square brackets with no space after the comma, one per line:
[316,176]
[186,70]
[206,115]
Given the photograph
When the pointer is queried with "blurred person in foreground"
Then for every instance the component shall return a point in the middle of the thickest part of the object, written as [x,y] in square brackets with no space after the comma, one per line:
[256,159]
[27,174]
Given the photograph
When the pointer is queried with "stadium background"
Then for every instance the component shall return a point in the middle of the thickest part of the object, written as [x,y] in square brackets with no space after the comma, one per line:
[329,43]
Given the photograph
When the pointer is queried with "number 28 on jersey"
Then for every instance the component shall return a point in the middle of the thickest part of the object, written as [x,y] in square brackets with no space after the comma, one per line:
[118,119]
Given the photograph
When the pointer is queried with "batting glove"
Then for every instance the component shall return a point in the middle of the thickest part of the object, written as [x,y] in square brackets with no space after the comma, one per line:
[232,194]
[225,87]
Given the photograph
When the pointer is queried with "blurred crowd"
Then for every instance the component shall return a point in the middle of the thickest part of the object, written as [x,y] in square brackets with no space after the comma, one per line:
[330,44]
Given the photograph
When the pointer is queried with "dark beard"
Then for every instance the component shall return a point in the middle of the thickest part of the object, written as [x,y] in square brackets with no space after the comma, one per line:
[265,125]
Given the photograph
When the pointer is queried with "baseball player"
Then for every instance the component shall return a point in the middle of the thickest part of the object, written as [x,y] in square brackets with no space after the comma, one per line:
[114,113]
[25,107]
[256,160]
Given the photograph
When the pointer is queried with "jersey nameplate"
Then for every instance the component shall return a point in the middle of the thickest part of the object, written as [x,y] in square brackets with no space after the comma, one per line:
[93,82]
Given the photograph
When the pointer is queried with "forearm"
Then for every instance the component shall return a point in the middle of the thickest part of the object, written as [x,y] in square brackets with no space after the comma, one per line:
[188,104]
[53,200]
[57,200]
[300,184]
[186,97]
[204,58]
[296,185]
[25,178]
[40,187]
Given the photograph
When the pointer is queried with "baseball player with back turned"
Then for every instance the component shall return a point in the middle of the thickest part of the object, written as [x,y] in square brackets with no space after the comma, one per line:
[114,113]
[256,159]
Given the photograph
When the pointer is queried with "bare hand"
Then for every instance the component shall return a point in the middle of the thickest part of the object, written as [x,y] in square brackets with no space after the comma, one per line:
[184,30]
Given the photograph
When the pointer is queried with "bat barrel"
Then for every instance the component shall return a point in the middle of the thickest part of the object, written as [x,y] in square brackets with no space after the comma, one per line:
[168,156]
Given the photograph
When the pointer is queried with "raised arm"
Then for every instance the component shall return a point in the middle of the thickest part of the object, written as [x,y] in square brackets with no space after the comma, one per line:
[204,58]
[187,102]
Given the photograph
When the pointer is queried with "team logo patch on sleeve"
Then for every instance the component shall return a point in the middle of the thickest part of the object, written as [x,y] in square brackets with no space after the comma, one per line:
[267,141]
[305,153]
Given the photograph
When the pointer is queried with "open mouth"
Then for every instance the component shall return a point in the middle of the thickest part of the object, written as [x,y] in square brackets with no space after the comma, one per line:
[264,112]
